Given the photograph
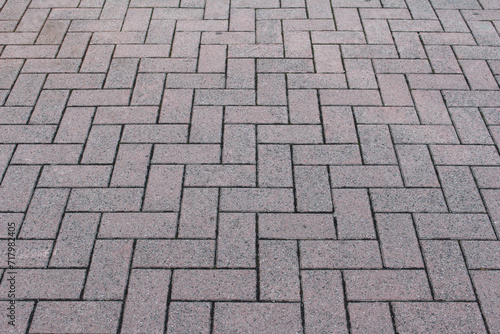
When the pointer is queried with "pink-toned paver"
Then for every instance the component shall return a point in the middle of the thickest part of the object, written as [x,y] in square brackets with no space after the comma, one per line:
[250,166]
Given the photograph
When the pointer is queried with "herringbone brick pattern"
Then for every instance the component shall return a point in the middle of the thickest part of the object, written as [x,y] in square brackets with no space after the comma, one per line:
[251,166]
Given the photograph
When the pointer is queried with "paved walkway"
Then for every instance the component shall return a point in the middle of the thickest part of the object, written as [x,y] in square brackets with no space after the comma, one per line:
[250,166]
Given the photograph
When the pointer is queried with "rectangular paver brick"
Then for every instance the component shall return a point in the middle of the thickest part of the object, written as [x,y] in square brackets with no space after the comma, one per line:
[163,189]
[126,115]
[482,254]
[75,176]
[187,153]
[258,317]
[453,226]
[274,166]
[206,125]
[407,200]
[460,189]
[279,270]
[109,270]
[464,155]
[220,175]
[323,296]
[363,316]
[176,106]
[17,187]
[398,241]
[487,288]
[44,212]
[312,189]
[338,125]
[239,143]
[365,176]
[236,246]
[40,283]
[353,214]
[105,199]
[376,144]
[387,285]
[49,107]
[303,106]
[198,218]
[74,125]
[138,225]
[75,240]
[296,226]
[88,316]
[187,316]
[326,154]
[293,134]
[416,166]
[146,301]
[256,199]
[438,317]
[131,165]
[340,254]
[470,126]
[216,284]
[447,271]
[174,253]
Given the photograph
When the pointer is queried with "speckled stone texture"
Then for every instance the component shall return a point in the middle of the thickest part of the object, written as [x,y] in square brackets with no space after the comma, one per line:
[250,166]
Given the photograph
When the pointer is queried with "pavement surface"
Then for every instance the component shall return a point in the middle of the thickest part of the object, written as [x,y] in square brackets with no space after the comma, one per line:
[250,166]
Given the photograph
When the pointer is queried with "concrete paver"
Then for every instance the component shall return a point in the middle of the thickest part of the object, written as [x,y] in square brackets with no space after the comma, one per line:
[250,166]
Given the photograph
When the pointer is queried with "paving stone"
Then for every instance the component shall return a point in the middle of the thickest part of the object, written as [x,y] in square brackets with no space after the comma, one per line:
[189,316]
[75,240]
[29,253]
[146,301]
[459,189]
[44,213]
[218,284]
[75,176]
[453,226]
[220,175]
[75,125]
[486,284]
[49,107]
[408,200]
[46,284]
[163,189]
[341,254]
[438,317]
[198,218]
[365,176]
[235,240]
[256,200]
[23,312]
[353,214]
[87,316]
[296,226]
[323,301]
[105,199]
[447,272]
[398,241]
[481,254]
[138,225]
[326,154]
[258,317]
[338,125]
[373,317]
[278,270]
[251,166]
[174,253]
[383,285]
[109,270]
